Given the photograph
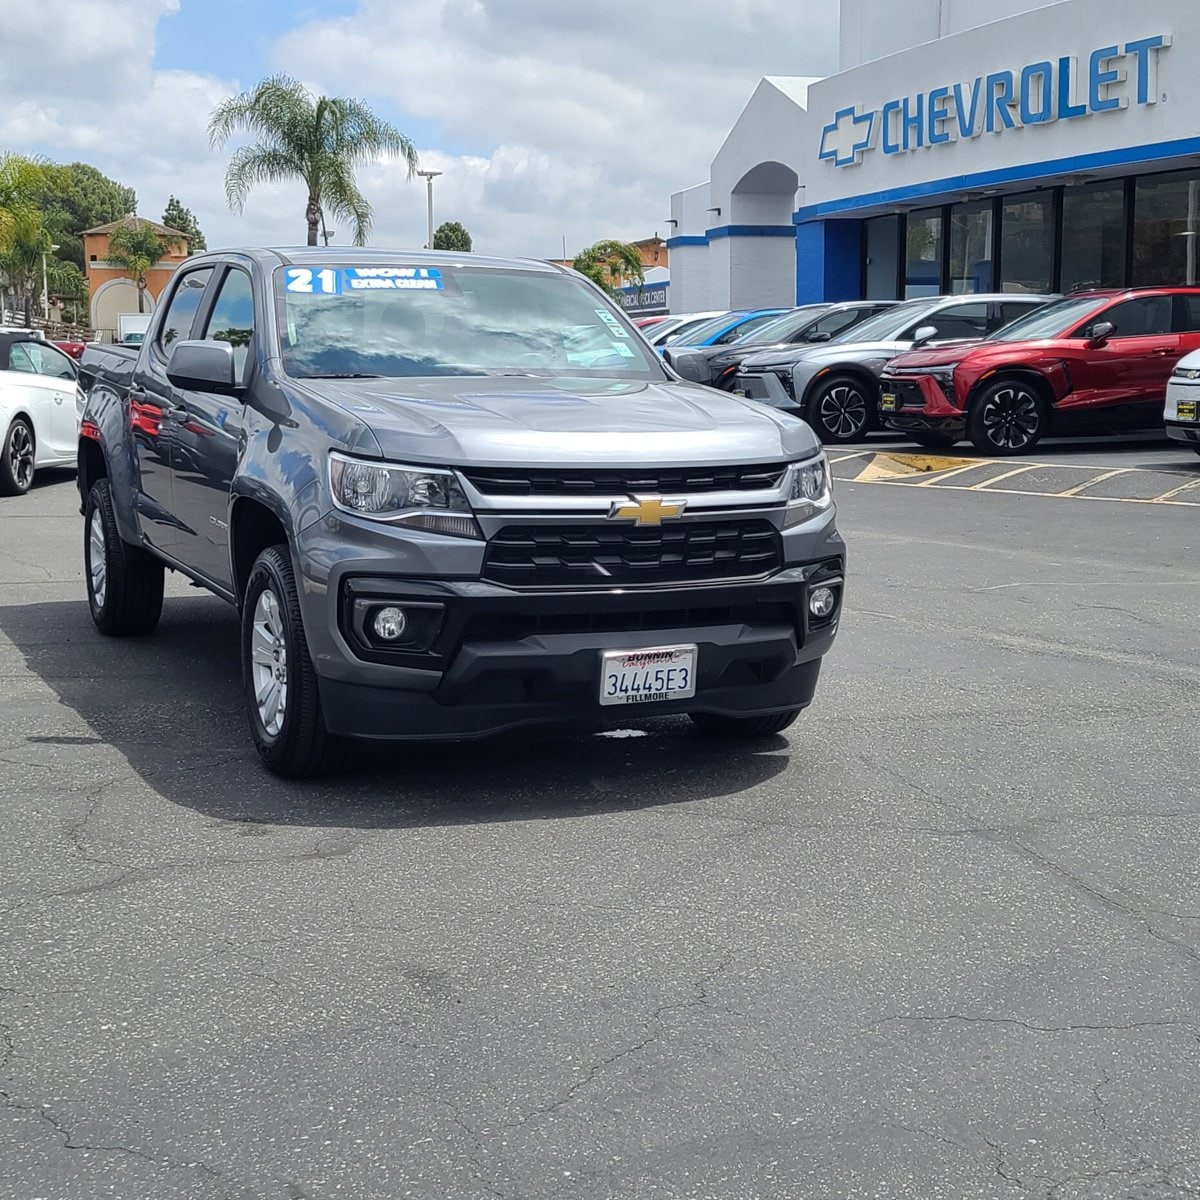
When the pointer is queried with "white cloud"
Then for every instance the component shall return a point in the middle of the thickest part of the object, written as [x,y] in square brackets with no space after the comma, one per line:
[568,119]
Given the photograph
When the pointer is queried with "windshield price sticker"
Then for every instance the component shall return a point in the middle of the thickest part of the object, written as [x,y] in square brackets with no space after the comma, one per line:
[617,328]
[328,282]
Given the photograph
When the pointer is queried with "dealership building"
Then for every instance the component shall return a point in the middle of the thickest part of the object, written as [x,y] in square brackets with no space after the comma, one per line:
[962,147]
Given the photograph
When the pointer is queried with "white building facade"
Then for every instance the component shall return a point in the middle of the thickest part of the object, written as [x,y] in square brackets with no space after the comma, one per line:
[1055,147]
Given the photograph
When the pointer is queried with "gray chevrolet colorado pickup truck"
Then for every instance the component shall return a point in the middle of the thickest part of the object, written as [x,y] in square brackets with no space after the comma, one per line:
[451,495]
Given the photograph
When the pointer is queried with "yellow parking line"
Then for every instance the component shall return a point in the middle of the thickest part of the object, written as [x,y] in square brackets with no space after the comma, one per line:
[937,478]
[1165,498]
[1095,479]
[985,485]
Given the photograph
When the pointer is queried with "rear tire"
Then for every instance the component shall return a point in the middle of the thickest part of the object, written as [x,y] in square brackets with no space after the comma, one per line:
[933,440]
[124,583]
[282,692]
[841,409]
[744,728]
[1007,417]
[16,458]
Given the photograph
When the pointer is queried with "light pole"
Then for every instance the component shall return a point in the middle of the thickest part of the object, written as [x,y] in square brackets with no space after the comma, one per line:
[429,177]
[45,287]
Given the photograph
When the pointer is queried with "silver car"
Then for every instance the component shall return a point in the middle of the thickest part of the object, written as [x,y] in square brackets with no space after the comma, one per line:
[835,386]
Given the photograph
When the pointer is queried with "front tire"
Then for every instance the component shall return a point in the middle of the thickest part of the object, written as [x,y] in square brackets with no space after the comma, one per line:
[124,583]
[840,409]
[282,692]
[744,728]
[1007,417]
[16,459]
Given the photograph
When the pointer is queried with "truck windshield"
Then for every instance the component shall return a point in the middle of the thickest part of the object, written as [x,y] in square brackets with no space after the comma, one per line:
[401,320]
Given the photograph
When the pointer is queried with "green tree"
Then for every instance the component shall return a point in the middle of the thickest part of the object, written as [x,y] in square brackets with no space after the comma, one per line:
[611,264]
[452,235]
[25,241]
[316,139]
[175,216]
[76,197]
[136,246]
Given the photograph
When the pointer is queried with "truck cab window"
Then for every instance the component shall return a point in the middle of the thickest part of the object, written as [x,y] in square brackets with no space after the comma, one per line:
[232,318]
[185,300]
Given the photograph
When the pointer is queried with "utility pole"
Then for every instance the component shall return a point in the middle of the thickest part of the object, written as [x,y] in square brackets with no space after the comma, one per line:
[429,177]
[45,285]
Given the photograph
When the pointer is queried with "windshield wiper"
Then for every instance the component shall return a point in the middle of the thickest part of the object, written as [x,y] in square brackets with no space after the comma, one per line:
[346,375]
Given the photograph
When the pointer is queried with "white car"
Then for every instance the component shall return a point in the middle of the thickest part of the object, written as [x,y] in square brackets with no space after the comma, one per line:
[39,413]
[1182,412]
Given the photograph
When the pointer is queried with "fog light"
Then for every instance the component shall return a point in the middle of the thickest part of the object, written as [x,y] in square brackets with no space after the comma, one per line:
[390,624]
[821,602]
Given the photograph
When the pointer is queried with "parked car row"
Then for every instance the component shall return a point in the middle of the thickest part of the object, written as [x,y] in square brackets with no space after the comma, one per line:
[1001,370]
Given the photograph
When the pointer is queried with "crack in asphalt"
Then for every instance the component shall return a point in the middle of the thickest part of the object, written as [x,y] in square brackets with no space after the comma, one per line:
[697,1001]
[1006,838]
[67,1133]
[1080,1028]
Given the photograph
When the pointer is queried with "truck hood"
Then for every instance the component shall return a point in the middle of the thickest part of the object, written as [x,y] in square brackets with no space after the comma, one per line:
[526,420]
[827,353]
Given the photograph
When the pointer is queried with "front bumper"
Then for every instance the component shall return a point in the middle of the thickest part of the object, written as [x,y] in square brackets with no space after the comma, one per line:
[919,404]
[503,658]
[1181,412]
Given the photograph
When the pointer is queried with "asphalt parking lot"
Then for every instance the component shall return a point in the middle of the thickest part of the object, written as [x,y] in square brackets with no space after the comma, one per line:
[942,940]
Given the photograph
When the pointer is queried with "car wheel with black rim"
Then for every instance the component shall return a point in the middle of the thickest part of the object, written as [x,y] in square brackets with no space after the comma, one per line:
[16,461]
[124,583]
[840,409]
[1007,417]
[282,693]
[744,728]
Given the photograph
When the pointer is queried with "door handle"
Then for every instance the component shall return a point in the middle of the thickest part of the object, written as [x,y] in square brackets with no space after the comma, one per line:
[1163,351]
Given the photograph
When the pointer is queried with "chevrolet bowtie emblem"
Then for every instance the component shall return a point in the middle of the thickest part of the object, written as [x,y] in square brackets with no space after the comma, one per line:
[652,510]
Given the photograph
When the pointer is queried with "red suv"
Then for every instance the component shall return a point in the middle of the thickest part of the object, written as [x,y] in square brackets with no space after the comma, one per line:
[1096,362]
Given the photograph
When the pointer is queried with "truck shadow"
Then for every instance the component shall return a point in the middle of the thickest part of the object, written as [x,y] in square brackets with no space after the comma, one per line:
[171,704]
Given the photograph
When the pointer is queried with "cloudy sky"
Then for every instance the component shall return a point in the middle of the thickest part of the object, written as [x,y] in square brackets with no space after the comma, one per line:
[550,118]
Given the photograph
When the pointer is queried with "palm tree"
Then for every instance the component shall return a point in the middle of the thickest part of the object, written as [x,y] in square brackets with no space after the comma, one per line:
[319,140]
[609,264]
[136,245]
[22,247]
[22,182]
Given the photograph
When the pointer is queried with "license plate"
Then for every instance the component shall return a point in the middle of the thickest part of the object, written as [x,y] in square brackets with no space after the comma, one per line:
[647,676]
[888,402]
[1186,410]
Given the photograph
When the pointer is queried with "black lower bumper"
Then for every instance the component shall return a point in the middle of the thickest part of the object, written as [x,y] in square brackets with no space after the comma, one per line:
[504,659]
[918,423]
[1184,431]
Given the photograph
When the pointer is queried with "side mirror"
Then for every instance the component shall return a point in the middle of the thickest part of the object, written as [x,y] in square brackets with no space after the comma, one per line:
[819,337]
[1100,334]
[690,364]
[203,366]
[925,333]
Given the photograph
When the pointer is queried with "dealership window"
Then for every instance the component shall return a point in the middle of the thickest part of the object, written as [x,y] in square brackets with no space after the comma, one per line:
[1166,225]
[1093,236]
[971,247]
[883,258]
[1027,243]
[923,253]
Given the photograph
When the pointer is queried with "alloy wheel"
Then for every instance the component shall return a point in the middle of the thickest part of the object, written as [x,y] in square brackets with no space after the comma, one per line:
[842,411]
[20,455]
[268,657]
[97,562]
[1011,418]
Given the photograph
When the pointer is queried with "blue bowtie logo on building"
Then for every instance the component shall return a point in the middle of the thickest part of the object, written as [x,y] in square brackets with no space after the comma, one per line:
[848,137]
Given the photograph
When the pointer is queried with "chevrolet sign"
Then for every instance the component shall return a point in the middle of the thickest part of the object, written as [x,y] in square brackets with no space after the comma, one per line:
[1044,91]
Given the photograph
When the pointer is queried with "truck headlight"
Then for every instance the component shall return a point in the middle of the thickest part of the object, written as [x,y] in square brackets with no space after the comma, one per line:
[809,492]
[427,498]
[944,378]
